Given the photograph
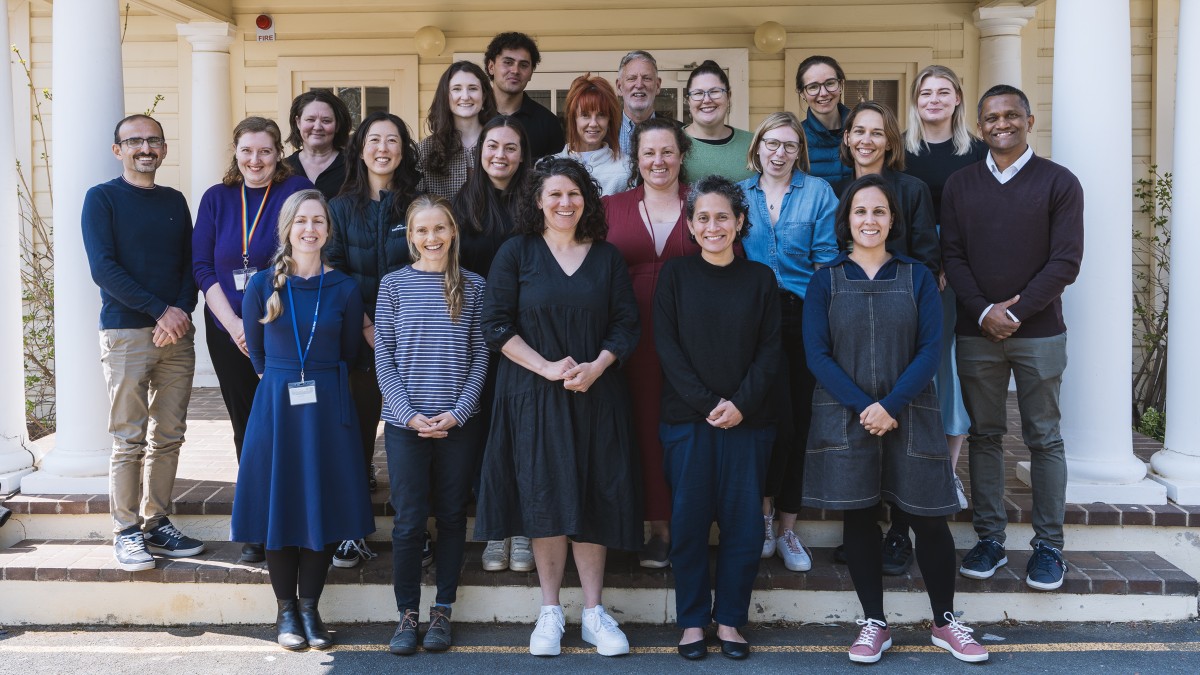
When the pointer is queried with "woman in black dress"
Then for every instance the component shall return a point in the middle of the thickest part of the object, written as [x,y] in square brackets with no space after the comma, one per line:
[559,461]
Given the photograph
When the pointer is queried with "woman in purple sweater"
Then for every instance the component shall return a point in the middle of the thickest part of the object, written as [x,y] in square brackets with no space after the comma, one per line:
[235,236]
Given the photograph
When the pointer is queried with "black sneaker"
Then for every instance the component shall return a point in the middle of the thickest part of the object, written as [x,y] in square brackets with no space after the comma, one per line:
[372,481]
[839,554]
[437,636]
[129,548]
[351,552]
[897,553]
[427,550]
[982,561]
[1046,568]
[166,539]
[655,554]
[404,640]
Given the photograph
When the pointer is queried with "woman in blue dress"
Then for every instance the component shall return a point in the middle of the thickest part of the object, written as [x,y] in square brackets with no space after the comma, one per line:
[300,488]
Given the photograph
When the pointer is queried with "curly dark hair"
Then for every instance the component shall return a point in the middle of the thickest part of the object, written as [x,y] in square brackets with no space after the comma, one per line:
[682,140]
[720,185]
[512,40]
[341,117]
[404,181]
[841,223]
[446,140]
[530,219]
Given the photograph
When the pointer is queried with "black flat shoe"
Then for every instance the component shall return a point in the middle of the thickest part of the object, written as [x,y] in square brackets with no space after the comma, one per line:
[694,651]
[735,650]
[252,553]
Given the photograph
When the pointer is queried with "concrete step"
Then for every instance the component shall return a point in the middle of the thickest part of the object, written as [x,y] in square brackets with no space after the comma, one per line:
[77,582]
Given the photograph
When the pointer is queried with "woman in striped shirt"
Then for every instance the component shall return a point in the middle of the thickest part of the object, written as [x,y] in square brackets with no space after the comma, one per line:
[431,362]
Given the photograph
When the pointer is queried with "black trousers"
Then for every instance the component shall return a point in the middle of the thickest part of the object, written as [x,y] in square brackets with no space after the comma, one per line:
[236,376]
[368,404]
[793,393]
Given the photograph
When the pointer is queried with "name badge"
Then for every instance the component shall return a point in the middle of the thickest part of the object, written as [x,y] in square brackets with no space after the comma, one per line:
[302,392]
[242,277]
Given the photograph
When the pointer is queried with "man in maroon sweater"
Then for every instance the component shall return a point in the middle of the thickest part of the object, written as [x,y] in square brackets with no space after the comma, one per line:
[1012,241]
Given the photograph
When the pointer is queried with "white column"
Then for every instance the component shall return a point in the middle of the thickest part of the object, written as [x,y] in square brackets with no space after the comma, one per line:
[15,460]
[1000,44]
[1091,53]
[1177,465]
[209,147]
[88,88]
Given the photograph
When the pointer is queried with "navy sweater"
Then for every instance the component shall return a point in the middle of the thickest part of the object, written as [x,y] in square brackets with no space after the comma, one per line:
[139,248]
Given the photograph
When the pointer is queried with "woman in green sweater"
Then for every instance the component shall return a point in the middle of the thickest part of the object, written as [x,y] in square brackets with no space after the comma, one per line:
[719,148]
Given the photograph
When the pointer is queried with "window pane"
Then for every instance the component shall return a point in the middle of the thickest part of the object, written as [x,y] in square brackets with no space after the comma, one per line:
[857,91]
[377,99]
[560,109]
[666,104]
[352,97]
[887,94]
[542,96]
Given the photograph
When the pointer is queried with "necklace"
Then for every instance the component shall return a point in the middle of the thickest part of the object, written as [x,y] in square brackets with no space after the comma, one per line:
[655,226]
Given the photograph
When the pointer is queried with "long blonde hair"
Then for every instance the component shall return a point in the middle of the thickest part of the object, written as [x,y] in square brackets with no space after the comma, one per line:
[284,264]
[914,135]
[454,283]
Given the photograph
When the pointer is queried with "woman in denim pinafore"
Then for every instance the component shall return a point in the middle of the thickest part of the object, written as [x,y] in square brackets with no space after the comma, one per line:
[872,333]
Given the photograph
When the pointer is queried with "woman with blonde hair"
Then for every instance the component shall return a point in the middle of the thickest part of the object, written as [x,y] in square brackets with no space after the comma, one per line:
[593,137]
[300,488]
[432,361]
[792,217]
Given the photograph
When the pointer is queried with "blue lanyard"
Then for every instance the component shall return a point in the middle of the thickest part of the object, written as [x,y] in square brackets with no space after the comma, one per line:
[303,354]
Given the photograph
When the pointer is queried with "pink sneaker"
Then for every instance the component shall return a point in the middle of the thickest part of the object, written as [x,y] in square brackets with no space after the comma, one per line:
[956,639]
[873,640]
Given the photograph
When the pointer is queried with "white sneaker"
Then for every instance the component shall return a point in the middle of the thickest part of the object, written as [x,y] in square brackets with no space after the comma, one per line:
[546,639]
[520,559]
[601,630]
[495,556]
[768,547]
[962,494]
[795,558]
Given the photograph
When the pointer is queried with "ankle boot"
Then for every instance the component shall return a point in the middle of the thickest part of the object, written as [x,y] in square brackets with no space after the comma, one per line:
[314,628]
[287,623]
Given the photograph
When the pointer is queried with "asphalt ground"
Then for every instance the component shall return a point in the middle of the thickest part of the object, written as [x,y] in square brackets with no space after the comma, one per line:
[486,649]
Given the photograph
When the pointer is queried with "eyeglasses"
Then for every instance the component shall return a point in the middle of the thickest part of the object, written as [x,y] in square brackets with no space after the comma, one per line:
[773,145]
[832,85]
[155,142]
[716,94]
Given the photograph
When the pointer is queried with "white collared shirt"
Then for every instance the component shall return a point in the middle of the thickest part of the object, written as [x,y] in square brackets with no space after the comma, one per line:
[1007,174]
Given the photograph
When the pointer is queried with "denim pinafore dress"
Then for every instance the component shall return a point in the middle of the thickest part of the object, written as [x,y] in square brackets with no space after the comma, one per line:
[873,325]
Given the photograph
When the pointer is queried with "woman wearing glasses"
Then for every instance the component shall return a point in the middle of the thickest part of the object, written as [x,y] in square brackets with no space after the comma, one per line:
[719,149]
[819,81]
[791,217]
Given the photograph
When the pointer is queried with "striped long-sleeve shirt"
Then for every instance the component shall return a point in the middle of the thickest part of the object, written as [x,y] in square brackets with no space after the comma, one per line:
[426,363]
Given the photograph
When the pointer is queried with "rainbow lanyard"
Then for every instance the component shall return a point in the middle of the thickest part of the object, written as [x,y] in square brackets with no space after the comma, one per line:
[249,228]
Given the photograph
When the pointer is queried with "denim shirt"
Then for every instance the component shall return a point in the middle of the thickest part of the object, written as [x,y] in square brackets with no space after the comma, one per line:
[801,239]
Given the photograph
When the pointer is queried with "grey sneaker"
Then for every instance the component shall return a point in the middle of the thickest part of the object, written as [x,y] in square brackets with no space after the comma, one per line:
[520,559]
[129,548]
[495,556]
[437,636]
[962,494]
[768,547]
[789,547]
[166,539]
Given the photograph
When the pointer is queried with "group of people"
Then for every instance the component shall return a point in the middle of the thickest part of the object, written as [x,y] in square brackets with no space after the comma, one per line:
[633,327]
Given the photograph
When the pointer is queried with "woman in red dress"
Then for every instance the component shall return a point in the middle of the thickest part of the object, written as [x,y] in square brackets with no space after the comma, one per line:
[648,224]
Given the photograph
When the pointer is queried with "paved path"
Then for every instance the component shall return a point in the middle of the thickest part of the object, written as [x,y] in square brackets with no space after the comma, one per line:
[1057,648]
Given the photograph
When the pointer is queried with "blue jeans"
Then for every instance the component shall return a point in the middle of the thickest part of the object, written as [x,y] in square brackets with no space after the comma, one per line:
[429,474]
[1037,365]
[715,475]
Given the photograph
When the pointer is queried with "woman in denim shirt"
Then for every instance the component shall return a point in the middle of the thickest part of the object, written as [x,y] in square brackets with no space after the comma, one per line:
[792,217]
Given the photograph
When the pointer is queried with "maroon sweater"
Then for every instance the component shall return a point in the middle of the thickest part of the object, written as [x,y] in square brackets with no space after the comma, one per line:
[1023,237]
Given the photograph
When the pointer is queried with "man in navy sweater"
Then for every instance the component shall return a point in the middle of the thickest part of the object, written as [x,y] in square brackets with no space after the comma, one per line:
[1012,241]
[138,238]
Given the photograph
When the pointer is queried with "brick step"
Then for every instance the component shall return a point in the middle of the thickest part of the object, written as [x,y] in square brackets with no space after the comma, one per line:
[76,581]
